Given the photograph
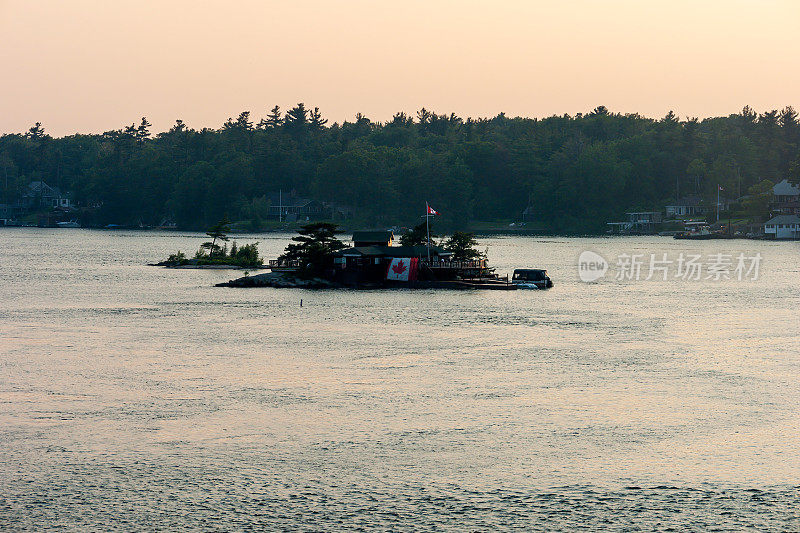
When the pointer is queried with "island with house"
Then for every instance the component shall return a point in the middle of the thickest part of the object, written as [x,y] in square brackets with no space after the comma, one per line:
[318,259]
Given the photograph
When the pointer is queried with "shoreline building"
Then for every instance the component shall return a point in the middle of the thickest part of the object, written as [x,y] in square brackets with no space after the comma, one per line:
[785,199]
[782,227]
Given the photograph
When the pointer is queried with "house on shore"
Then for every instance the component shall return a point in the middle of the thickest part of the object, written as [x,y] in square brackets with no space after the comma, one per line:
[638,223]
[290,208]
[785,199]
[6,215]
[686,207]
[40,195]
[782,227]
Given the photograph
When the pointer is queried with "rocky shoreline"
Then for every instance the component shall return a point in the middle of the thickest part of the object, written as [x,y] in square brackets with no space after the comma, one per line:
[284,280]
[278,280]
[167,264]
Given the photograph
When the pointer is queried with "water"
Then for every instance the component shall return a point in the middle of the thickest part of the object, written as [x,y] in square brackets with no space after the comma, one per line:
[135,397]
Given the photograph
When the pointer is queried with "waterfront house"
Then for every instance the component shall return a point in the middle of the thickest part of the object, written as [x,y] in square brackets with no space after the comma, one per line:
[290,208]
[686,207]
[782,227]
[785,199]
[40,195]
[6,214]
[639,223]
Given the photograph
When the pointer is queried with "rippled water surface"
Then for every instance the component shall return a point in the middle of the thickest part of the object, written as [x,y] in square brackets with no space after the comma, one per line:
[136,397]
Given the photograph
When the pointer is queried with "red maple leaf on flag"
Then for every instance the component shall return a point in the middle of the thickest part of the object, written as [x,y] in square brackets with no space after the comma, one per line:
[399,268]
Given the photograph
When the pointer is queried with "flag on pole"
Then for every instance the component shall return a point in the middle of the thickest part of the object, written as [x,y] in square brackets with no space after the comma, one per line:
[430,210]
[720,187]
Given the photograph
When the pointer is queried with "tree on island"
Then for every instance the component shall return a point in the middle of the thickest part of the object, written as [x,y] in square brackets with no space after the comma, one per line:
[314,247]
[417,236]
[463,244]
[218,231]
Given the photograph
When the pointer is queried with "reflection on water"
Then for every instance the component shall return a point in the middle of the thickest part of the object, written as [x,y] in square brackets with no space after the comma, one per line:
[133,395]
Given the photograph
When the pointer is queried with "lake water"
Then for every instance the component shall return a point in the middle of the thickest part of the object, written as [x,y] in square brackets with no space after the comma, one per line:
[136,397]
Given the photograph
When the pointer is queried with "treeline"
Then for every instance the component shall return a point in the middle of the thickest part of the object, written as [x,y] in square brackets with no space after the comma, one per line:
[574,173]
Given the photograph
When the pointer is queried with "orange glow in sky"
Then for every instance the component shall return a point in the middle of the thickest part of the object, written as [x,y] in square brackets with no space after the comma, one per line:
[94,65]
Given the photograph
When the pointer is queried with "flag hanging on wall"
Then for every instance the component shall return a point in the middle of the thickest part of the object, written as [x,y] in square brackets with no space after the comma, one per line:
[403,269]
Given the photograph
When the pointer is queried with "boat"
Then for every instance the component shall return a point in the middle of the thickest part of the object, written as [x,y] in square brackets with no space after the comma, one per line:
[531,278]
[69,224]
[696,231]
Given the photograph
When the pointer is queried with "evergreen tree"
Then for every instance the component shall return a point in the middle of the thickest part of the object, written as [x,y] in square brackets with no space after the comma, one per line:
[463,244]
[36,132]
[218,232]
[316,121]
[314,247]
[418,236]
[143,131]
[274,119]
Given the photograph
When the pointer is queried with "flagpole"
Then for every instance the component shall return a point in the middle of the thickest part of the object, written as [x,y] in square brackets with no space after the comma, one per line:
[717,202]
[428,228]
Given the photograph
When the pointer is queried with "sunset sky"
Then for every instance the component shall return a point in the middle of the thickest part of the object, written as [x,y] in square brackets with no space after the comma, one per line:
[96,65]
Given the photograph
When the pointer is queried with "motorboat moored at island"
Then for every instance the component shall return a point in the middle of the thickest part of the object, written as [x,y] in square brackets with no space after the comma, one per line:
[531,278]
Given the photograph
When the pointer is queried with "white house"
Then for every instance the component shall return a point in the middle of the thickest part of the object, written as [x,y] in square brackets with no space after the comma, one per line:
[687,206]
[785,199]
[783,227]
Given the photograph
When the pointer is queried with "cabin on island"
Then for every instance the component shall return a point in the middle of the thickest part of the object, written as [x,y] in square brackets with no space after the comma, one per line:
[785,199]
[373,238]
[373,261]
[782,227]
[360,265]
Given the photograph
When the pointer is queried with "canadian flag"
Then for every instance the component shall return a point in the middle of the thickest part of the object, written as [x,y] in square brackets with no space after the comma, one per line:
[430,210]
[402,269]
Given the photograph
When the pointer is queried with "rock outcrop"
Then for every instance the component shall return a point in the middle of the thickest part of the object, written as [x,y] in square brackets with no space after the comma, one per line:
[277,280]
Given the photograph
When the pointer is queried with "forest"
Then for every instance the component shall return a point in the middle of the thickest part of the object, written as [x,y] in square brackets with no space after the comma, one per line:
[572,173]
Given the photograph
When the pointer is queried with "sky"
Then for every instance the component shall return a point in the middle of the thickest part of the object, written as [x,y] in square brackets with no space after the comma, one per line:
[94,65]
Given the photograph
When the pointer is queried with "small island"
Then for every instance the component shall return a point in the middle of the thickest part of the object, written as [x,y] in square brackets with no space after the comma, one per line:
[213,255]
[318,259]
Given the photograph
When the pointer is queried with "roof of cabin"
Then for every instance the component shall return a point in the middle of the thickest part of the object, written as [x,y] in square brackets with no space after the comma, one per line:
[689,201]
[391,251]
[288,200]
[372,236]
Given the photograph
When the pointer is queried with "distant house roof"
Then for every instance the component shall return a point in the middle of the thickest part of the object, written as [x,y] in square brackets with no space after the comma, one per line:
[784,188]
[391,251]
[784,219]
[373,236]
[286,200]
[688,201]
[40,188]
